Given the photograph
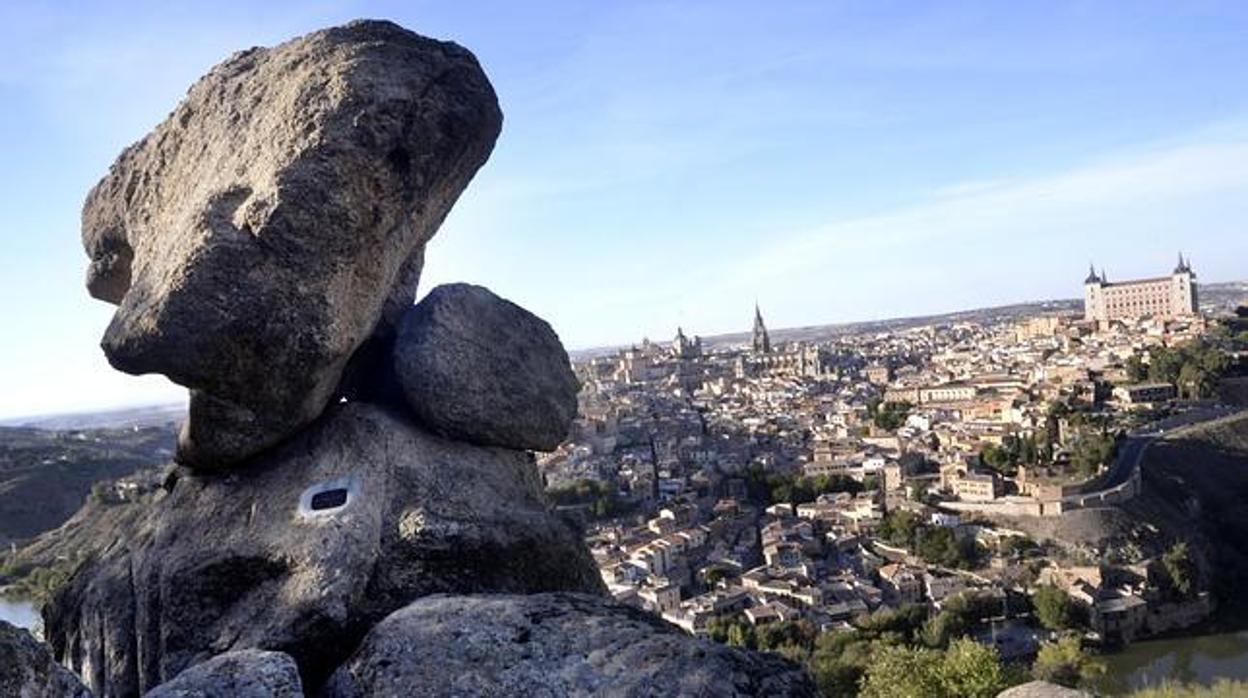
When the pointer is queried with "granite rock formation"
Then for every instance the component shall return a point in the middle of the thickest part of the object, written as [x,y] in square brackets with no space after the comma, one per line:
[304,549]
[277,219]
[242,674]
[550,645]
[347,455]
[1042,689]
[27,669]
[475,367]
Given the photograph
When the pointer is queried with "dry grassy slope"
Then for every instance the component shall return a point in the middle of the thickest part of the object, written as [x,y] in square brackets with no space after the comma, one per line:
[35,569]
[45,475]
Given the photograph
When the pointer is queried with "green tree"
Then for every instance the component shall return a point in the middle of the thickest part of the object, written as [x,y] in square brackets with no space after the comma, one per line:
[1064,662]
[1177,562]
[890,415]
[741,635]
[1054,608]
[972,669]
[943,628]
[905,621]
[966,670]
[834,675]
[903,671]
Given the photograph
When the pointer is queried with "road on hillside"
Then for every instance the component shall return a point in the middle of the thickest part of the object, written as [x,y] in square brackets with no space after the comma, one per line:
[1132,449]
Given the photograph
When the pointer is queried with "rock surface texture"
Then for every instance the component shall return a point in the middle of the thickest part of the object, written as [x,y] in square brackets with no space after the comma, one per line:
[27,669]
[550,645]
[1042,689]
[277,219]
[242,674]
[478,368]
[305,549]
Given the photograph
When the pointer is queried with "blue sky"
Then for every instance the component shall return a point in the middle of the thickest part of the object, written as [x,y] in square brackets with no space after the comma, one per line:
[666,164]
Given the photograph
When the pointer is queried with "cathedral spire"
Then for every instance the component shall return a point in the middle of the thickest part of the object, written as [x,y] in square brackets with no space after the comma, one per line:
[761,342]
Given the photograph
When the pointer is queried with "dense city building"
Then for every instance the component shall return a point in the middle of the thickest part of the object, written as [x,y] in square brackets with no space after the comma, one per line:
[762,482]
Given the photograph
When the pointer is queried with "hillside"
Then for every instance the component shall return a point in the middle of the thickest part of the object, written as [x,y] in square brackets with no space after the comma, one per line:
[46,475]
[1196,485]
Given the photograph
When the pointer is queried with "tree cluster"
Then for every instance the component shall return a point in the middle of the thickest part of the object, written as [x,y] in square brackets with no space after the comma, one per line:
[1053,608]
[1090,451]
[773,488]
[888,415]
[1193,368]
[1064,663]
[1177,562]
[602,498]
[1013,452]
[936,544]
[907,652]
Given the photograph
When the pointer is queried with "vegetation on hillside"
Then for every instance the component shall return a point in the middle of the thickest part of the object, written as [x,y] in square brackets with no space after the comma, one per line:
[1064,663]
[764,488]
[1053,608]
[600,499]
[908,652]
[888,415]
[1193,368]
[35,583]
[936,544]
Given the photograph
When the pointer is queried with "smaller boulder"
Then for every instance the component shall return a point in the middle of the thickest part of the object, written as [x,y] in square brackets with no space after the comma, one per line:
[553,644]
[1042,689]
[28,670]
[478,368]
[242,674]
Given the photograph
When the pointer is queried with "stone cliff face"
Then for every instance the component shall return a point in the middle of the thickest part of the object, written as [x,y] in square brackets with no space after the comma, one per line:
[356,496]
[28,670]
[304,549]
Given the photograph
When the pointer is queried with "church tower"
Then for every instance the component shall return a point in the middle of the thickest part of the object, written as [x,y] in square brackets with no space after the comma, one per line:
[762,343]
[1183,300]
[1093,303]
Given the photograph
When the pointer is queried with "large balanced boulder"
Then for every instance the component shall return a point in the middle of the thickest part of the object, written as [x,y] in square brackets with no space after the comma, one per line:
[550,645]
[277,219]
[307,547]
[241,674]
[27,669]
[478,368]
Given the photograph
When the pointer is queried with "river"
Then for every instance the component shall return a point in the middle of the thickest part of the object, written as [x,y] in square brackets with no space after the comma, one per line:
[20,613]
[1201,659]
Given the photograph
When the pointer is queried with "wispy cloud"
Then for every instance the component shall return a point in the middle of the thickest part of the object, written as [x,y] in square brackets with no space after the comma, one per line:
[1006,239]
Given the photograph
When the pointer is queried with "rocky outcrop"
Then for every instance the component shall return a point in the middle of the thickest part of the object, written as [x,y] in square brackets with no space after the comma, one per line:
[277,219]
[1042,689]
[263,245]
[307,547]
[27,669]
[550,645]
[478,368]
[242,674]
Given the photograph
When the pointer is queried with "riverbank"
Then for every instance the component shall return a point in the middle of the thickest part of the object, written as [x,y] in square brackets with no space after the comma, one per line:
[1201,659]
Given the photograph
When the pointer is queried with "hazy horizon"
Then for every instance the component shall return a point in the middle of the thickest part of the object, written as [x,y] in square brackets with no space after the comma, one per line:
[665,165]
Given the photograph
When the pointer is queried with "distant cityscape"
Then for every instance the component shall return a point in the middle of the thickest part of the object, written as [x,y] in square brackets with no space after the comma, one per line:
[765,481]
